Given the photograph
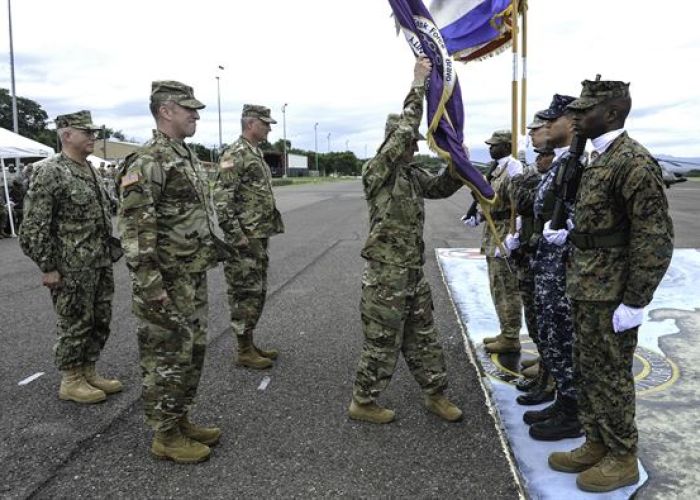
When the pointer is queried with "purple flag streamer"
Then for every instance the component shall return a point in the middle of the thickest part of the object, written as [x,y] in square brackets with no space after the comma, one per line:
[445,114]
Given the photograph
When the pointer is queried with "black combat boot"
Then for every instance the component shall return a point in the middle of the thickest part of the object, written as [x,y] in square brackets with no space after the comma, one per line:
[535,416]
[542,393]
[563,424]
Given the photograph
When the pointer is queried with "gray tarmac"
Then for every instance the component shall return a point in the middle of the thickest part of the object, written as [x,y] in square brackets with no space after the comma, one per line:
[291,439]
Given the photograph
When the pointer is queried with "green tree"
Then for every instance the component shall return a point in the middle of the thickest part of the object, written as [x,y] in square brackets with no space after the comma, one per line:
[340,163]
[31,118]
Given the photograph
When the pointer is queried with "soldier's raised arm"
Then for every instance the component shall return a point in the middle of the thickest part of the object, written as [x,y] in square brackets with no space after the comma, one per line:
[400,132]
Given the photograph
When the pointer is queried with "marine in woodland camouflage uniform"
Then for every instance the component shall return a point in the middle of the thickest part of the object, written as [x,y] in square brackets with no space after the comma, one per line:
[66,232]
[503,279]
[249,217]
[397,305]
[168,228]
[623,242]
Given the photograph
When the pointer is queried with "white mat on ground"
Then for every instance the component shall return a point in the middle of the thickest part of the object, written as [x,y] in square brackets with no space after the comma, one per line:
[464,271]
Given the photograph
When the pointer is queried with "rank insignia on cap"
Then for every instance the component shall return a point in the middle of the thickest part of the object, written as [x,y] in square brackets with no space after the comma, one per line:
[130,179]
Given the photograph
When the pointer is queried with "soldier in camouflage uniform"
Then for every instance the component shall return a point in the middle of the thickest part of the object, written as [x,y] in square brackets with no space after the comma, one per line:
[503,280]
[67,233]
[248,215]
[168,228]
[554,317]
[396,305]
[623,242]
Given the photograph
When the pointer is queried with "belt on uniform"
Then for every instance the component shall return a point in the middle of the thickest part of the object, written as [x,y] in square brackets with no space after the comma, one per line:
[586,241]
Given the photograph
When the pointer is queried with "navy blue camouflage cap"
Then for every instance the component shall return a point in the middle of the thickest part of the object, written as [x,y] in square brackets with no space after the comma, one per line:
[597,91]
[557,107]
[259,112]
[170,90]
[79,119]
[500,137]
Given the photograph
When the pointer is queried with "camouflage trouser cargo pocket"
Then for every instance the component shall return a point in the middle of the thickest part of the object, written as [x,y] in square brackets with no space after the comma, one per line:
[68,299]
[384,292]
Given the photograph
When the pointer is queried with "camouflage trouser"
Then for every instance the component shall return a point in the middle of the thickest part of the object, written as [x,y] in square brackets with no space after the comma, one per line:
[554,319]
[3,214]
[506,297]
[83,305]
[604,379]
[246,276]
[172,344]
[397,316]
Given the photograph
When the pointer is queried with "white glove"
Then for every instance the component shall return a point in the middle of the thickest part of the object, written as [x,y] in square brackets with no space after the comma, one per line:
[514,168]
[518,223]
[497,252]
[626,317]
[472,221]
[556,236]
[512,241]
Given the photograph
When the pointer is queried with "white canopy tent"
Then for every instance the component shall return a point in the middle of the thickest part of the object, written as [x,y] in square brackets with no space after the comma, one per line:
[15,146]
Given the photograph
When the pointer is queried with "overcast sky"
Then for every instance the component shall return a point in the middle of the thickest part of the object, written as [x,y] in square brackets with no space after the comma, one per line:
[340,63]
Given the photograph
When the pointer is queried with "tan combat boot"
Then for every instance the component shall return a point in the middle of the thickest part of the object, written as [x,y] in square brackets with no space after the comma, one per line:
[491,340]
[205,435]
[531,371]
[579,459]
[503,345]
[248,355]
[269,354]
[370,412]
[611,473]
[172,445]
[74,387]
[527,363]
[109,386]
[443,407]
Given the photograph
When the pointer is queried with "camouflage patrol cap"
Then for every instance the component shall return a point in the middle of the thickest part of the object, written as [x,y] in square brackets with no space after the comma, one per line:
[536,122]
[170,90]
[256,111]
[392,123]
[557,107]
[79,119]
[499,137]
[597,91]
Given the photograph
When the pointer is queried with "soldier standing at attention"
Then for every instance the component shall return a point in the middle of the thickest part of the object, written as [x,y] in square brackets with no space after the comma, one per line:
[248,215]
[67,232]
[623,242]
[396,305]
[167,221]
[503,281]
[554,316]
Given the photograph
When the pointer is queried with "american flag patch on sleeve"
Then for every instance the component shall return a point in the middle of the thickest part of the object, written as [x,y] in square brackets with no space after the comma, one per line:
[129,179]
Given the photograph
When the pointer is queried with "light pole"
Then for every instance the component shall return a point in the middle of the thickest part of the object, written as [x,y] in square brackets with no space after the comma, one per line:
[284,136]
[218,99]
[316,144]
[347,145]
[329,142]
[15,122]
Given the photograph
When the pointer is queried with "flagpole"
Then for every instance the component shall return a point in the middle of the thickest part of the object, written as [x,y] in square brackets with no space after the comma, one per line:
[514,94]
[523,88]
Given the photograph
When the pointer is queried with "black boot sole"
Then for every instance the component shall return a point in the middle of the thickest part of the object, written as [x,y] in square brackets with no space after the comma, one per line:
[557,435]
[526,400]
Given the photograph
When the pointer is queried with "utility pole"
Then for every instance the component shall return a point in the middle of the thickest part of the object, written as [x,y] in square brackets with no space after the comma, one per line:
[329,142]
[316,143]
[284,136]
[218,98]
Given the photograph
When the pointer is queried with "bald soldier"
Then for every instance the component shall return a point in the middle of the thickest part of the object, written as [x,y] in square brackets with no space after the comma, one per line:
[168,228]
[622,240]
[397,305]
[67,232]
[249,217]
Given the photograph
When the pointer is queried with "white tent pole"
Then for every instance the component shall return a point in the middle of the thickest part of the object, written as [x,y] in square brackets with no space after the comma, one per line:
[7,198]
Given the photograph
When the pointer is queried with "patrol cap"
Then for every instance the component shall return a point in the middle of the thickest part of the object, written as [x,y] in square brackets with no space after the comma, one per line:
[170,90]
[499,137]
[557,107]
[546,151]
[392,123]
[256,111]
[597,91]
[79,119]
[536,122]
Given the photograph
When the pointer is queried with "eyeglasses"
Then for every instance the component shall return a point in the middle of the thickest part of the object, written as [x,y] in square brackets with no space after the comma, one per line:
[88,133]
